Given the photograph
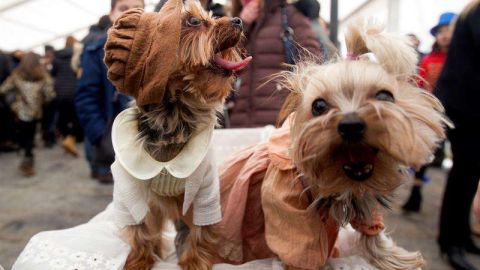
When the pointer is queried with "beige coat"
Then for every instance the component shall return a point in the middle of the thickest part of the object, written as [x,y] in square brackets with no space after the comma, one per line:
[192,173]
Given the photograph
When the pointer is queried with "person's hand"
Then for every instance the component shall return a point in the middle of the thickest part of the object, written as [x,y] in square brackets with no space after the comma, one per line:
[250,12]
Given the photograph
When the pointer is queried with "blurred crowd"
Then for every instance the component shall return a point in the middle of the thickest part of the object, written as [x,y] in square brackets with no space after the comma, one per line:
[67,96]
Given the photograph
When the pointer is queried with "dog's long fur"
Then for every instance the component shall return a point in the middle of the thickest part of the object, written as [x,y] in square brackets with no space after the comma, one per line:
[398,134]
[195,91]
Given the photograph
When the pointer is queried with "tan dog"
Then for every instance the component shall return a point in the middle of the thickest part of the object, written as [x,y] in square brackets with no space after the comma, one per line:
[179,65]
[351,127]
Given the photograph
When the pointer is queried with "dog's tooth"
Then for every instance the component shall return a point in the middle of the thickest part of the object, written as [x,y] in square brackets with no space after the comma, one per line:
[346,167]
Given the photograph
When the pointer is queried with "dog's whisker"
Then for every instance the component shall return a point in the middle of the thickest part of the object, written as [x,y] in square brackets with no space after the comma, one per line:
[296,179]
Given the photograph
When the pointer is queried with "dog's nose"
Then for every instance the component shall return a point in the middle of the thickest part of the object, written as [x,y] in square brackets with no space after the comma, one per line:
[237,22]
[351,127]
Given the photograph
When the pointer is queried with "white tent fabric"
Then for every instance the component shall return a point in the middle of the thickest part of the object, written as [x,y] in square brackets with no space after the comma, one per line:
[30,24]
[412,16]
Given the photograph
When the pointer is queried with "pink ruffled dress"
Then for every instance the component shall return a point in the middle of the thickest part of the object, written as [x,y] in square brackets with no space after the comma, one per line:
[265,209]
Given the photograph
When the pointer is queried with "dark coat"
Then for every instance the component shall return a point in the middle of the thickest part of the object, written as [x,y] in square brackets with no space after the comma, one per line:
[256,103]
[309,8]
[65,79]
[5,68]
[97,31]
[459,84]
[97,101]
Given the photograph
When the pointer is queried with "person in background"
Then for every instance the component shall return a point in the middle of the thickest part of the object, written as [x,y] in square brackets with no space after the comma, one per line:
[458,89]
[476,212]
[49,56]
[311,9]
[430,68]
[216,8]
[49,119]
[95,32]
[257,103]
[432,64]
[4,67]
[7,119]
[97,101]
[415,42]
[15,58]
[65,84]
[98,30]
[29,87]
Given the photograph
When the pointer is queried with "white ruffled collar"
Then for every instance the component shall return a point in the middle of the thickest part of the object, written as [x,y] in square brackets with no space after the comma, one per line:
[134,158]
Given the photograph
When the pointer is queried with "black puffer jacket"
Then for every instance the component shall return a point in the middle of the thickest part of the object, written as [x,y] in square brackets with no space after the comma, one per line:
[65,78]
[4,67]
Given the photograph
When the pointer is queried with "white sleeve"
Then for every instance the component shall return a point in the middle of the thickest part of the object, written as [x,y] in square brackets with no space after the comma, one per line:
[206,204]
[130,197]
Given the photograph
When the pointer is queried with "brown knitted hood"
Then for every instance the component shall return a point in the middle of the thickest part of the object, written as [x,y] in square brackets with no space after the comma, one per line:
[141,51]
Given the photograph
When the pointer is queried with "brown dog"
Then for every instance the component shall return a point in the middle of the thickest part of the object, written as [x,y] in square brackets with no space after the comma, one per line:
[351,127]
[179,64]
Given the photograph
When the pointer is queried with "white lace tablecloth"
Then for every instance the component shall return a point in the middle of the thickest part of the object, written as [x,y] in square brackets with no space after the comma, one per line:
[97,245]
[225,142]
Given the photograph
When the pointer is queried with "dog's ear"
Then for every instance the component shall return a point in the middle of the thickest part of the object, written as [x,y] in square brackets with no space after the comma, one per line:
[296,80]
[141,51]
[391,51]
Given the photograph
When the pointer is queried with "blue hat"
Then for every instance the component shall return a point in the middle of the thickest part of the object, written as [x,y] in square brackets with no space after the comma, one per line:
[445,19]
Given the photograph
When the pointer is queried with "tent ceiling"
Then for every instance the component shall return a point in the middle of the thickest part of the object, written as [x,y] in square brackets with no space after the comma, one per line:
[30,24]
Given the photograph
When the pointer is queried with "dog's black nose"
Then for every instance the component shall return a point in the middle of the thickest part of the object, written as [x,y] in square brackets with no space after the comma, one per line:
[237,22]
[351,127]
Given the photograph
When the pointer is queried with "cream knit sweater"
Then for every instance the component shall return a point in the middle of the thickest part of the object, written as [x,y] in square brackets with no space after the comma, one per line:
[192,172]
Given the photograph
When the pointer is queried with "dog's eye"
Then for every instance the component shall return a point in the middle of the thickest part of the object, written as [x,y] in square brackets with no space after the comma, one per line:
[194,21]
[319,107]
[385,95]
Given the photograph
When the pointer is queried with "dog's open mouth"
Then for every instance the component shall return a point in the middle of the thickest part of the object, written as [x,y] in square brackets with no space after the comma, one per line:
[359,161]
[230,66]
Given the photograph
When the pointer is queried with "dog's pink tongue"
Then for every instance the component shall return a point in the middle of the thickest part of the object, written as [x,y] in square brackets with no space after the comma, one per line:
[231,65]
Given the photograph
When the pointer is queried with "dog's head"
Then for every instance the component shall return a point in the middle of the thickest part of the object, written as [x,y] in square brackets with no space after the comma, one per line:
[359,121]
[209,52]
[178,63]
[181,49]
